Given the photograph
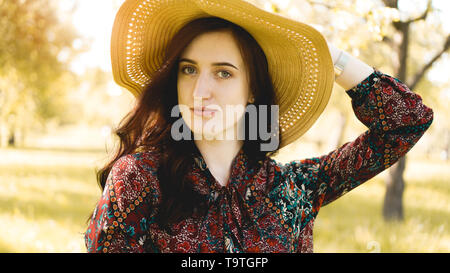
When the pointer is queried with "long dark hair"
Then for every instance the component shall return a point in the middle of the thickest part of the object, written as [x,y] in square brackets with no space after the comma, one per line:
[149,123]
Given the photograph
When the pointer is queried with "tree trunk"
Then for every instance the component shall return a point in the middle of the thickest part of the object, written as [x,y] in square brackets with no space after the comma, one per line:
[393,208]
[395,184]
[393,199]
[12,139]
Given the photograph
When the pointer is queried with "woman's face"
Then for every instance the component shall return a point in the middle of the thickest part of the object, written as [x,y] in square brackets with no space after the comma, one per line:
[212,75]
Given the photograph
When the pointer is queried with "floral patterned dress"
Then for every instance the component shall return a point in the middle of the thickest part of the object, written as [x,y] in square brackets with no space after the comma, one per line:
[271,208]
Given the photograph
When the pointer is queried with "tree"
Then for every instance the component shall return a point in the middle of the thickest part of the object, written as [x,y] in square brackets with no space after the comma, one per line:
[393,208]
[31,65]
[377,32]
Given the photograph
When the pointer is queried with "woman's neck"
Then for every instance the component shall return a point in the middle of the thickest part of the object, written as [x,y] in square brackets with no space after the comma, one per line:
[218,155]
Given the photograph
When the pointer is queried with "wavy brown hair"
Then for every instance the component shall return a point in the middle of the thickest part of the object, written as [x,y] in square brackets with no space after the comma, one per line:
[149,123]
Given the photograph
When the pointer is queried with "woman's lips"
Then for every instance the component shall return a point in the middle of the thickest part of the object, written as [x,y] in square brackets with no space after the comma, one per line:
[203,112]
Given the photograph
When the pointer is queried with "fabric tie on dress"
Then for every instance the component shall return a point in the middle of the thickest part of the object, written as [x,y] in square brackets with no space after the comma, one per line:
[230,199]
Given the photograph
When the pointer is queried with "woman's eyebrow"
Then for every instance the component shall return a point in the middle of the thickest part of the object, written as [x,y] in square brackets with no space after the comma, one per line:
[214,64]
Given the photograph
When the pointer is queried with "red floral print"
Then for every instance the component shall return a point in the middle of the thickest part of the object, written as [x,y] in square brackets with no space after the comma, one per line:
[266,208]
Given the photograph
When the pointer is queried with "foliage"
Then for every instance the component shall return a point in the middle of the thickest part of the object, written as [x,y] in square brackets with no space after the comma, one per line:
[35,51]
[366,30]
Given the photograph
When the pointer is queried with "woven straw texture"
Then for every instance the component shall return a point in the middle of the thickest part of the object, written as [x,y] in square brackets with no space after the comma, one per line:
[299,60]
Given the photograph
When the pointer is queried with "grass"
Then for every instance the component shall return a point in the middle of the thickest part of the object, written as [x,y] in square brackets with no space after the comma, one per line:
[44,203]
[354,222]
[47,195]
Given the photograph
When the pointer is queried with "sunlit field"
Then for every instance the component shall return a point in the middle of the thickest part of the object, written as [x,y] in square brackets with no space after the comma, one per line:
[354,222]
[46,196]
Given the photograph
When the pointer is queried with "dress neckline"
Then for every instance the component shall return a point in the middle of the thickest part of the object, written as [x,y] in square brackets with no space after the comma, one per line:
[206,184]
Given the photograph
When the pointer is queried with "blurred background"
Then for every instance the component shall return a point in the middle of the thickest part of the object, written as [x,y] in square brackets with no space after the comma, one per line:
[59,106]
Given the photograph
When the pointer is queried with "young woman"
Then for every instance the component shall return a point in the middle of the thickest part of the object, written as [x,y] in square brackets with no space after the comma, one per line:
[185,179]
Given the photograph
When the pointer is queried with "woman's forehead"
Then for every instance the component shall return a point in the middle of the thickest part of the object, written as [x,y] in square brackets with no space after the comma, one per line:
[213,48]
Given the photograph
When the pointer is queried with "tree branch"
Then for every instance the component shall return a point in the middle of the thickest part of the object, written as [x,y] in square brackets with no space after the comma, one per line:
[423,16]
[311,2]
[391,3]
[398,25]
[419,75]
[388,40]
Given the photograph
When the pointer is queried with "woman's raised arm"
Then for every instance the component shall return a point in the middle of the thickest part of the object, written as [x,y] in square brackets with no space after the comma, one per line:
[396,119]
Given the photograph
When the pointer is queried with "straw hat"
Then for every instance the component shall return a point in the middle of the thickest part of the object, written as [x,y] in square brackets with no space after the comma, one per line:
[299,60]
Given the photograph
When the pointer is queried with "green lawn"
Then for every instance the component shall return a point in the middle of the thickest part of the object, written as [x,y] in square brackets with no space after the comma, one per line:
[47,195]
[45,201]
[354,222]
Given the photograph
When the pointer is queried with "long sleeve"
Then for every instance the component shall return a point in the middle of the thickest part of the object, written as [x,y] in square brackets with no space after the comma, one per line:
[120,219]
[396,119]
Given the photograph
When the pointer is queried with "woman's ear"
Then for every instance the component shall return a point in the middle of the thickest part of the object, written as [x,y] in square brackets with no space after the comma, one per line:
[251,99]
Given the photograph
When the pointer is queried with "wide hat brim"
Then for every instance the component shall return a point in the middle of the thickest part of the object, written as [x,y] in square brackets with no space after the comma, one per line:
[298,57]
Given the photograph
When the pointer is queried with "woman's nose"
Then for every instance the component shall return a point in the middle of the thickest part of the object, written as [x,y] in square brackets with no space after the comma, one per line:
[202,88]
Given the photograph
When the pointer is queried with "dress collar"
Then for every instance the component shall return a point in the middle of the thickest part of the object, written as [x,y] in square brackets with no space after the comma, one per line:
[232,200]
[205,183]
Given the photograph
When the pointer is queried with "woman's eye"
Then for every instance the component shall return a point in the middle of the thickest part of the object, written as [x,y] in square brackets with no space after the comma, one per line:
[187,70]
[225,74]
